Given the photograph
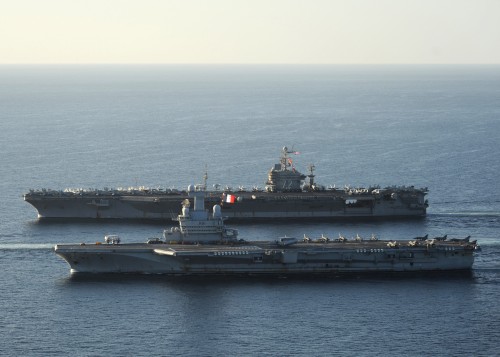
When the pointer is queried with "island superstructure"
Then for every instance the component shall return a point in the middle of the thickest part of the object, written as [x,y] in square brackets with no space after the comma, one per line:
[203,245]
[288,194]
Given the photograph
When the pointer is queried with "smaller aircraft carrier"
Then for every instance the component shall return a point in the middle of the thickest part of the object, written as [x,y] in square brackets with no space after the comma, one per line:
[203,245]
[288,194]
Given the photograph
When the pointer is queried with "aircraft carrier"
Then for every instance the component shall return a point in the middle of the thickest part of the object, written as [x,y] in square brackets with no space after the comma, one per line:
[203,245]
[288,194]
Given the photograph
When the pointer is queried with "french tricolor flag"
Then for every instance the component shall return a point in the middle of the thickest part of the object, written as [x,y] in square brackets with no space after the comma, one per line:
[230,198]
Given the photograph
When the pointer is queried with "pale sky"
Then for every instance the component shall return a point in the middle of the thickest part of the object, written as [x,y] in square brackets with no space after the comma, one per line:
[250,31]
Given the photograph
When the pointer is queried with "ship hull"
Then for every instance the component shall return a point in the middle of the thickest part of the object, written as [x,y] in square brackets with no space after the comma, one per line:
[259,258]
[250,206]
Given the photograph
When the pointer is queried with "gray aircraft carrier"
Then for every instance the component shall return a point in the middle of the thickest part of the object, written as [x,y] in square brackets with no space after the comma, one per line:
[288,194]
[203,245]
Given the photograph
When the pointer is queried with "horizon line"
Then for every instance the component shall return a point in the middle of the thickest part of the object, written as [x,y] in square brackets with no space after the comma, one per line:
[240,64]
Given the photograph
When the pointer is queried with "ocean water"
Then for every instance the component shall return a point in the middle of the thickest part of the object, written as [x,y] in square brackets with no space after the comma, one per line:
[120,126]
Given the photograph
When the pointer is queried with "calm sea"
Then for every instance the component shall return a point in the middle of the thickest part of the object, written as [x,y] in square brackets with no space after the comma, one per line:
[120,126]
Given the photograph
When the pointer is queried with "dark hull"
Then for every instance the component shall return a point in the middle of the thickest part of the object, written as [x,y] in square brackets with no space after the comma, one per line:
[268,259]
[258,206]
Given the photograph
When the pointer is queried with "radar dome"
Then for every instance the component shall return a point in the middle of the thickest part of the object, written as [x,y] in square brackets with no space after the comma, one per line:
[217,211]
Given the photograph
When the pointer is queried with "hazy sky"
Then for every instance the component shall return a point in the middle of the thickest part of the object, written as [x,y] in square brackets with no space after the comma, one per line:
[250,31]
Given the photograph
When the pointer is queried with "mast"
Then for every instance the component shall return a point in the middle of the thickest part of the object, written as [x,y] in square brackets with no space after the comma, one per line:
[205,178]
[311,168]
[285,161]
[284,158]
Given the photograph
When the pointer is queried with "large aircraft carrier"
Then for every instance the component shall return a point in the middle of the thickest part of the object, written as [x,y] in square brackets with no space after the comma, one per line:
[288,194]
